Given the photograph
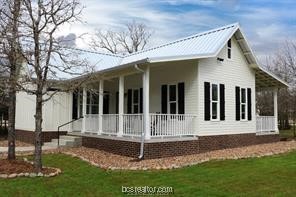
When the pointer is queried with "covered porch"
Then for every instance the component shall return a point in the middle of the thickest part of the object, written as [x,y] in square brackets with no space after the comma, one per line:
[152,100]
[267,122]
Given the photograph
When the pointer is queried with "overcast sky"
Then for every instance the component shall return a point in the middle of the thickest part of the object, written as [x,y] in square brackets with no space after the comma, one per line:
[265,23]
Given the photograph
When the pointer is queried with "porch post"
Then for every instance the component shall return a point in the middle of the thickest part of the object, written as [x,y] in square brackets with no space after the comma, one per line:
[70,110]
[84,95]
[121,106]
[146,116]
[101,103]
[275,108]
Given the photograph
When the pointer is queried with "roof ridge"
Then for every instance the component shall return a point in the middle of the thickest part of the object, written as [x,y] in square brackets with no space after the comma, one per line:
[186,38]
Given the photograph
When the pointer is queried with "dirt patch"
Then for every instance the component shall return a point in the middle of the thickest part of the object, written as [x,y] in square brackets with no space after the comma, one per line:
[20,166]
[107,160]
[4,143]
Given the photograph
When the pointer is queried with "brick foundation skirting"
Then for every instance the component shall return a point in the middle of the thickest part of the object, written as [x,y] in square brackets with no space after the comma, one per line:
[28,136]
[175,148]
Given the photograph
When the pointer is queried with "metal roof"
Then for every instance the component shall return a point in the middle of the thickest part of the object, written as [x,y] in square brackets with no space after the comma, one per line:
[202,45]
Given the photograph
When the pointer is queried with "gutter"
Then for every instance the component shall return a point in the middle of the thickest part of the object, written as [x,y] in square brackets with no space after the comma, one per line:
[144,130]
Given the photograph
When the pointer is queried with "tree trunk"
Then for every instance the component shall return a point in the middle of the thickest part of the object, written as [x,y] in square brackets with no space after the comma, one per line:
[11,122]
[38,132]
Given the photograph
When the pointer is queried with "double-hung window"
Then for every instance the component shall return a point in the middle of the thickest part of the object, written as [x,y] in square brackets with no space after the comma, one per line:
[243,104]
[92,103]
[136,99]
[214,102]
[173,104]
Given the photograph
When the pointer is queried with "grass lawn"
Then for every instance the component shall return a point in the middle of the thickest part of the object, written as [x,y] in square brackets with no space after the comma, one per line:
[287,133]
[268,176]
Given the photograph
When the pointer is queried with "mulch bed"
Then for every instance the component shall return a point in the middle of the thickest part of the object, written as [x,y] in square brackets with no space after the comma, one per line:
[4,143]
[20,166]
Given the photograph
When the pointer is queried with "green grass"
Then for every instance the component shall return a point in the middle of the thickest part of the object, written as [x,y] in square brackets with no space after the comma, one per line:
[268,176]
[287,133]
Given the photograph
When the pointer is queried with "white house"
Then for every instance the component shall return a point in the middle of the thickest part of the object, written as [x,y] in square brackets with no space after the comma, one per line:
[191,95]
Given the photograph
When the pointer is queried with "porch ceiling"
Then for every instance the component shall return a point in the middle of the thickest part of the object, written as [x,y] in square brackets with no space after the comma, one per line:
[265,79]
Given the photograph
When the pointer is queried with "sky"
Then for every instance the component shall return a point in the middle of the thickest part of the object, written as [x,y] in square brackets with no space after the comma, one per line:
[266,24]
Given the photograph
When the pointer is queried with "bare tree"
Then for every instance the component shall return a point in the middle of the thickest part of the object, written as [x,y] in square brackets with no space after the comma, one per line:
[47,59]
[134,37]
[10,49]
[283,64]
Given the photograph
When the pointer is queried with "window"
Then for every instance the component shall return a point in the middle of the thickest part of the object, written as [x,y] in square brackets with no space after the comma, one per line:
[80,103]
[172,99]
[229,49]
[92,103]
[214,102]
[243,104]
[136,99]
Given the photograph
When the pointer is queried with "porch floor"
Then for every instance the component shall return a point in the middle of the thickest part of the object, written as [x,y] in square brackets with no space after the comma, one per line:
[134,139]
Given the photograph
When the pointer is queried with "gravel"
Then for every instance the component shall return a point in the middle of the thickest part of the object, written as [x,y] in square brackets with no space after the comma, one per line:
[110,161]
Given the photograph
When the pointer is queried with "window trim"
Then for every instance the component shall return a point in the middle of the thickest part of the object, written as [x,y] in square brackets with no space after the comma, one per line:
[212,101]
[176,100]
[245,104]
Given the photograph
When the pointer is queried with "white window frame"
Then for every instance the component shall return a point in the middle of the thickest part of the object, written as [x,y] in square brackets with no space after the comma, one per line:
[217,101]
[168,98]
[229,48]
[243,104]
[91,103]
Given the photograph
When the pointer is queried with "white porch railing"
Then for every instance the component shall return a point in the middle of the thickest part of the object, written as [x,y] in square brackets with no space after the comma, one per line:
[110,123]
[161,125]
[172,124]
[132,124]
[92,123]
[265,123]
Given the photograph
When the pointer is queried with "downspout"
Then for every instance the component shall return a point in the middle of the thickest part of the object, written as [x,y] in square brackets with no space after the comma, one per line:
[144,130]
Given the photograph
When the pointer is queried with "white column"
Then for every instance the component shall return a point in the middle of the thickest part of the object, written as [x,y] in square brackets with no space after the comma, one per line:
[275,108]
[146,115]
[84,95]
[101,103]
[121,105]
[70,129]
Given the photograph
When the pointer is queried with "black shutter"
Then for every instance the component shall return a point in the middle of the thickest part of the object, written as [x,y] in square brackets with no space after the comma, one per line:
[181,98]
[164,99]
[129,101]
[207,101]
[222,102]
[74,105]
[141,100]
[117,103]
[249,92]
[237,103]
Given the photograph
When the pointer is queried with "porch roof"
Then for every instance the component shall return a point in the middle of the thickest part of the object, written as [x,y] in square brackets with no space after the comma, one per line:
[266,79]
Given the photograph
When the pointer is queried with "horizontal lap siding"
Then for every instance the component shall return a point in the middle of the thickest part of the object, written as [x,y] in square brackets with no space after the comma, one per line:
[173,73]
[55,111]
[234,72]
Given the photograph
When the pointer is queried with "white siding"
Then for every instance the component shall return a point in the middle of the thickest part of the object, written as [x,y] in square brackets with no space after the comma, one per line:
[173,73]
[55,112]
[233,72]
[168,73]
